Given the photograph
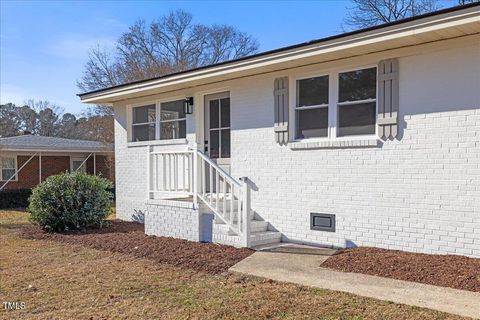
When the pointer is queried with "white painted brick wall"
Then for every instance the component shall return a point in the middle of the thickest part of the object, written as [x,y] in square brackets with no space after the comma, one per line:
[172,221]
[420,193]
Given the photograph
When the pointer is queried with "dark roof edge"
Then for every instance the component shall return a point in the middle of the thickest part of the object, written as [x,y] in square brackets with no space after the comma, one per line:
[299,45]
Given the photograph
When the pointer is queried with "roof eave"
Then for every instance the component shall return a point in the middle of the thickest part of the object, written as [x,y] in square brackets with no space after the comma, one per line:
[409,27]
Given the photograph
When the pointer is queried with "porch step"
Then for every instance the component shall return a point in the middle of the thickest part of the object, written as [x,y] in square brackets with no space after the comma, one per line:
[255,226]
[256,238]
[264,237]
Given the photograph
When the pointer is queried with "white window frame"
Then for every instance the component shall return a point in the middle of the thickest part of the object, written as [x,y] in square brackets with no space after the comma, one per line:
[16,167]
[316,106]
[131,124]
[333,96]
[157,121]
[72,159]
[337,103]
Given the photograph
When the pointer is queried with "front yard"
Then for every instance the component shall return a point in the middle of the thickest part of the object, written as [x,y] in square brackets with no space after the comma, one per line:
[69,280]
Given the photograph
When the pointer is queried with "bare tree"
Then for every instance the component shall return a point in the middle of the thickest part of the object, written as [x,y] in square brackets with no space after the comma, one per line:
[367,13]
[169,44]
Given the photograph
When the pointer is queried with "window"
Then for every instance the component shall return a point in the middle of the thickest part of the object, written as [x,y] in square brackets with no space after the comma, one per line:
[312,108]
[173,122]
[8,168]
[219,128]
[144,123]
[170,124]
[357,102]
[76,163]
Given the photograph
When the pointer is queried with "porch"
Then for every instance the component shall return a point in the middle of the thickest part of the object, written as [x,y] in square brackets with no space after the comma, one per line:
[191,197]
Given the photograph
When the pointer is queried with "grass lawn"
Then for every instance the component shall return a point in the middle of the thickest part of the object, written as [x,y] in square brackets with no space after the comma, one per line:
[64,281]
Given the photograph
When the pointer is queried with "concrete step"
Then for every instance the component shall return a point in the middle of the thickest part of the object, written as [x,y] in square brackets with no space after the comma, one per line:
[256,238]
[255,226]
[265,237]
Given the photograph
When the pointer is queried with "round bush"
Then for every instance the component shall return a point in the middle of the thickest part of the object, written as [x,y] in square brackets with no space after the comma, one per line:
[71,201]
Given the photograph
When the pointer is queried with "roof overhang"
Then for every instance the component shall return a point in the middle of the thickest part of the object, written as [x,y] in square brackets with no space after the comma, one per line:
[50,150]
[442,25]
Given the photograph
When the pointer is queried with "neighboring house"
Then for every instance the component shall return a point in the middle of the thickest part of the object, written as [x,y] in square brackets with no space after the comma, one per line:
[368,138]
[27,160]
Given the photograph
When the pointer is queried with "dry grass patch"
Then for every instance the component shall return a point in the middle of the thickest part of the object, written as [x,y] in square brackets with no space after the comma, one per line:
[64,281]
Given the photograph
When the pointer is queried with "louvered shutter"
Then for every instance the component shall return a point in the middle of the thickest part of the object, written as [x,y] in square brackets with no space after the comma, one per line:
[280,94]
[388,101]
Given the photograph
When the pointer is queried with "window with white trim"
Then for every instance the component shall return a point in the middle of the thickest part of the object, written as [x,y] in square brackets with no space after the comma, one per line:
[78,164]
[312,107]
[144,123]
[162,121]
[8,168]
[357,102]
[173,121]
[353,113]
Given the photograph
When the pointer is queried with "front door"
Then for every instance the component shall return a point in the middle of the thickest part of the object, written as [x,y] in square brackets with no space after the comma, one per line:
[217,129]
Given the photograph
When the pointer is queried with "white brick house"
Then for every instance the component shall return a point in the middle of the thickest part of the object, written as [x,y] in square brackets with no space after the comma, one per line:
[370,138]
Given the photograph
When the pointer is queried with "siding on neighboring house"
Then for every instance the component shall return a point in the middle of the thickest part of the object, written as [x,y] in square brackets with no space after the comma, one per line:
[419,193]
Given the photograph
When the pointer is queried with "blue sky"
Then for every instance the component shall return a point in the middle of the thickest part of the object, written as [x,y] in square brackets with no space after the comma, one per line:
[44,44]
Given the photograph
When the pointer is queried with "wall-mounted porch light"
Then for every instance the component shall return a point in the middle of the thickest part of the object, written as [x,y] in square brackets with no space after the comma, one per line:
[188,105]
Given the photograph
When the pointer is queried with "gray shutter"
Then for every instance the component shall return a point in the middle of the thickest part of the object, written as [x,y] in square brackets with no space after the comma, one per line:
[280,94]
[388,100]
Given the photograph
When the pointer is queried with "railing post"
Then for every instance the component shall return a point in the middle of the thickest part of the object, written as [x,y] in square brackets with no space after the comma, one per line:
[195,177]
[149,172]
[246,212]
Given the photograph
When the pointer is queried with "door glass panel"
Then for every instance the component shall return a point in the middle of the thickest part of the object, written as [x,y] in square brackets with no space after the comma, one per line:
[225,112]
[225,143]
[214,144]
[214,114]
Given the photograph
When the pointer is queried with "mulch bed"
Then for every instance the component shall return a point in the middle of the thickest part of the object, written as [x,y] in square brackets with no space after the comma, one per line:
[440,270]
[129,238]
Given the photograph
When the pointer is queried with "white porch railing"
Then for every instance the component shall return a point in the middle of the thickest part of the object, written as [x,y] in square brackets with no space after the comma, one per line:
[193,173]
[171,172]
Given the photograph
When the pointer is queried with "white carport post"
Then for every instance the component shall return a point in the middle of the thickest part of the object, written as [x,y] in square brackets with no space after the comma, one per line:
[40,167]
[94,164]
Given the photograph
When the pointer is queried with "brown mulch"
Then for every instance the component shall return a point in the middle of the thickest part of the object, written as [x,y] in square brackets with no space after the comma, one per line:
[129,238]
[452,271]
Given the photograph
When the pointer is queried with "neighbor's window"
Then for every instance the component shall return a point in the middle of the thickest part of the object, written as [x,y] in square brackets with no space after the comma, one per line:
[357,102]
[144,123]
[7,164]
[312,108]
[78,164]
[173,122]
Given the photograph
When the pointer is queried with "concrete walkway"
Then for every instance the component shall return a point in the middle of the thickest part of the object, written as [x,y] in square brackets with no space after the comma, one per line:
[304,269]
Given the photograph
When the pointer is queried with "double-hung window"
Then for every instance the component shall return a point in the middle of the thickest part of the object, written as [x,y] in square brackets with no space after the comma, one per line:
[173,122]
[312,107]
[162,121]
[8,168]
[357,93]
[354,113]
[144,123]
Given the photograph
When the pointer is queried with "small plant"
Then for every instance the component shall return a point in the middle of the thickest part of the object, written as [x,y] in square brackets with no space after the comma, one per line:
[71,201]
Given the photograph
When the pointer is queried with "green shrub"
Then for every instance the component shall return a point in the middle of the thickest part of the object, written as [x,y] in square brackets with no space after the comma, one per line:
[71,201]
[14,198]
